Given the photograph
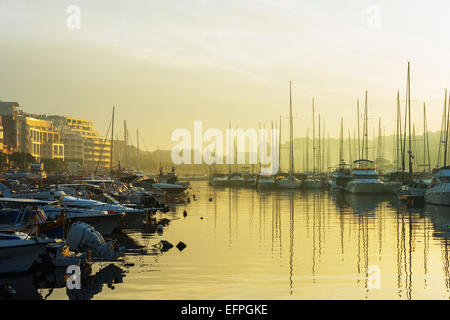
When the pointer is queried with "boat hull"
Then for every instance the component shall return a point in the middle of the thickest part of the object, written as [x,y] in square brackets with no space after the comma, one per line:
[105,224]
[19,258]
[438,196]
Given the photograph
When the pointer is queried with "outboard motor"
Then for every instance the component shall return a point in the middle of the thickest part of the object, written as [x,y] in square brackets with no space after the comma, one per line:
[83,236]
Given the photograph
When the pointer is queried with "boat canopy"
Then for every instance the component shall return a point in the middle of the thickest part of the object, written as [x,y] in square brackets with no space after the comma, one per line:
[29,201]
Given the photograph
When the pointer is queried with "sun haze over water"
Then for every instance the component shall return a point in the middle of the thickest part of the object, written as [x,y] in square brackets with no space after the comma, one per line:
[164,64]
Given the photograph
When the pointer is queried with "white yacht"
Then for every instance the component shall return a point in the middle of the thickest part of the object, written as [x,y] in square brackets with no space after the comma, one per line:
[365,181]
[439,191]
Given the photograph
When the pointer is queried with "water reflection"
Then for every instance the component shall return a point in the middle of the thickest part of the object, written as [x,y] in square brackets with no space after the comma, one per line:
[40,284]
[246,244]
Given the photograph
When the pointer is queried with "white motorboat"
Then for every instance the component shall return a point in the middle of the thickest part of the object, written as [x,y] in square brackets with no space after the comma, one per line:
[19,251]
[439,191]
[39,195]
[365,181]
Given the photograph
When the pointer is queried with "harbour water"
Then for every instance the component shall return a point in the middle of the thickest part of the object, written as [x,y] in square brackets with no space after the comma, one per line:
[249,244]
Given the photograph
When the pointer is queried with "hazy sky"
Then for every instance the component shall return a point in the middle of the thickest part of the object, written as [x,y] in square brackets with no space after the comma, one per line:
[166,63]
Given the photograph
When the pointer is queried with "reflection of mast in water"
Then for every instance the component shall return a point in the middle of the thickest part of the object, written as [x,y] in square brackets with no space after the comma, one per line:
[405,255]
[380,221]
[314,239]
[365,227]
[215,211]
[399,255]
[403,249]
[291,238]
[251,210]
[229,216]
[321,218]
[426,240]
[306,198]
[260,213]
[236,209]
[274,220]
[445,262]
[341,226]
[410,243]
[278,214]
[359,248]
[319,211]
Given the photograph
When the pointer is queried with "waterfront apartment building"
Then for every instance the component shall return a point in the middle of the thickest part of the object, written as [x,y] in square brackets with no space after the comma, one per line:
[39,138]
[82,143]
[53,137]
[25,133]
[8,112]
[3,147]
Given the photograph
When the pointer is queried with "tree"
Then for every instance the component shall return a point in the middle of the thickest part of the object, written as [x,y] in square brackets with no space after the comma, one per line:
[21,160]
[3,161]
[54,165]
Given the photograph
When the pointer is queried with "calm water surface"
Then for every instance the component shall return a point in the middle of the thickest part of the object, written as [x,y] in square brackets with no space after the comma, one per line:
[273,245]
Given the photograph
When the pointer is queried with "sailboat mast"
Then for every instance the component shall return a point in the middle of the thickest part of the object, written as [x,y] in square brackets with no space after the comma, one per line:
[425,137]
[359,142]
[341,144]
[307,150]
[349,147]
[319,163]
[291,133]
[379,146]
[112,144]
[446,134]
[229,164]
[323,147]
[398,139]
[366,134]
[409,122]
[138,150]
[328,150]
[313,139]
[279,147]
[443,126]
[125,138]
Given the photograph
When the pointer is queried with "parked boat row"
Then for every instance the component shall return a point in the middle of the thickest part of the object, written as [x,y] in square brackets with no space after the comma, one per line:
[51,227]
